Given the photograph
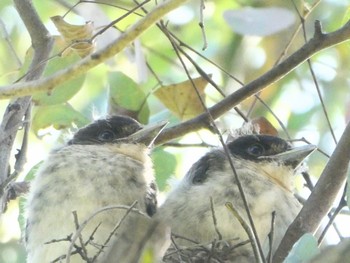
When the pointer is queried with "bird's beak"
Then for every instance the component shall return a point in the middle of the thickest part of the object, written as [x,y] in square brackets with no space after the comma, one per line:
[148,134]
[293,157]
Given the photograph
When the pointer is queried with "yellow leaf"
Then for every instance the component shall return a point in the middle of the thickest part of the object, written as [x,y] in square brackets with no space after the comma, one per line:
[182,98]
[78,36]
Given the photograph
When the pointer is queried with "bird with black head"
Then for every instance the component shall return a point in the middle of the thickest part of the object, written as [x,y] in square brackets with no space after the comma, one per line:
[265,166]
[106,163]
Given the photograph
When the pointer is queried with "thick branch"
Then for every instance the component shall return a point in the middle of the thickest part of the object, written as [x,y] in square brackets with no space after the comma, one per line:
[319,42]
[47,84]
[322,197]
[15,111]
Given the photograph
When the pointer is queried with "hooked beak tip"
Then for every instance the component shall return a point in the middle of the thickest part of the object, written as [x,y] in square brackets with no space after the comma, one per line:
[148,134]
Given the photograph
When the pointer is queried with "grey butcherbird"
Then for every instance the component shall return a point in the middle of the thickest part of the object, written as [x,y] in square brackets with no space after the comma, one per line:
[106,163]
[265,166]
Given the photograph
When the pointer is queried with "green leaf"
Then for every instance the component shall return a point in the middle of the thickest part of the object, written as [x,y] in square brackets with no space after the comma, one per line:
[68,89]
[303,250]
[125,94]
[60,116]
[164,166]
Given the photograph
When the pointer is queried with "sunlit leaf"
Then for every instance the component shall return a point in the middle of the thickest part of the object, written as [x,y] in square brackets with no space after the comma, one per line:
[68,89]
[126,96]
[164,166]
[303,250]
[77,36]
[259,21]
[182,99]
[59,116]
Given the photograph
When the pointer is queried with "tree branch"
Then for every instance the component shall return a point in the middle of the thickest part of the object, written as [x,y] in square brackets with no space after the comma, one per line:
[16,109]
[321,199]
[49,83]
[319,42]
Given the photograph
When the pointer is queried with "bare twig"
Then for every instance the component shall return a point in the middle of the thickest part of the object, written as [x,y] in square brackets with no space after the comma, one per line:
[13,117]
[84,253]
[214,218]
[341,205]
[319,42]
[111,234]
[313,75]
[271,236]
[9,44]
[112,23]
[201,24]
[246,228]
[86,221]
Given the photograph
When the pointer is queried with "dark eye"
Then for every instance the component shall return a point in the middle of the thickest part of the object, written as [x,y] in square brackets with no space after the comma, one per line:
[256,150]
[106,136]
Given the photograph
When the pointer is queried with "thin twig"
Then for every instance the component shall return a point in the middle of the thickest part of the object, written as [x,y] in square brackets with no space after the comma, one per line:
[112,23]
[86,221]
[246,227]
[201,24]
[313,75]
[271,237]
[341,205]
[9,44]
[111,234]
[82,245]
[214,218]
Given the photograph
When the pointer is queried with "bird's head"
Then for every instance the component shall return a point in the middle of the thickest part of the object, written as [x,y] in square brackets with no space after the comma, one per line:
[117,130]
[267,148]
[266,155]
[276,158]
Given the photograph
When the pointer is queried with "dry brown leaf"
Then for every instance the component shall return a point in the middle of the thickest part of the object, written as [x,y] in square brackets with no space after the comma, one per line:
[265,127]
[182,99]
[78,36]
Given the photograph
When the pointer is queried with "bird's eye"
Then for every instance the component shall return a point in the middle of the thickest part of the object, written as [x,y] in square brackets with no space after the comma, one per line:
[106,136]
[256,150]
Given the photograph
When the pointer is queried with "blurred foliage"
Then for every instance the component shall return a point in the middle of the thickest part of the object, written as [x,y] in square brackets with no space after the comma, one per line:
[303,250]
[129,80]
